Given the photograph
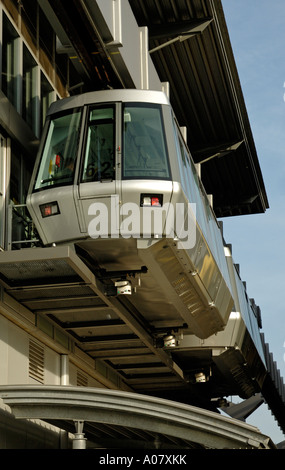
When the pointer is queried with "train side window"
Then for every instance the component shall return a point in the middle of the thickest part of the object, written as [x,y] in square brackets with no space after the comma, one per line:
[60,151]
[187,172]
[144,150]
[100,146]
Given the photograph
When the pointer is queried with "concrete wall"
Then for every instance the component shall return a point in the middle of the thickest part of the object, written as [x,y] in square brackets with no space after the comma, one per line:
[15,369]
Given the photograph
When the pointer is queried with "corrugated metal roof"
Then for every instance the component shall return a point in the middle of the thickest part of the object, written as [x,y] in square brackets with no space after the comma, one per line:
[207,98]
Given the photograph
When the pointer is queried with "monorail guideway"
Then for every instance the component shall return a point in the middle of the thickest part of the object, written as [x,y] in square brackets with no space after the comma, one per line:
[164,309]
[53,283]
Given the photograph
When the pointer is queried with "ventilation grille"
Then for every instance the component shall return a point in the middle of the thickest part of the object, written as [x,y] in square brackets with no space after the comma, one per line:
[188,295]
[82,379]
[36,361]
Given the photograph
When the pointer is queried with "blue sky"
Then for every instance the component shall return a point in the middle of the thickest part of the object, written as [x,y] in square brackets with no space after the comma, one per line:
[256,29]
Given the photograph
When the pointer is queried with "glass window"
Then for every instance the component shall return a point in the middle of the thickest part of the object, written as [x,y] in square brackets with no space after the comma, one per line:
[2,189]
[47,97]
[21,172]
[144,152]
[100,146]
[60,151]
[29,23]
[10,63]
[30,90]
[46,36]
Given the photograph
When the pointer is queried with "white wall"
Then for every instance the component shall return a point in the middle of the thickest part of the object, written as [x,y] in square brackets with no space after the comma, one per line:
[14,354]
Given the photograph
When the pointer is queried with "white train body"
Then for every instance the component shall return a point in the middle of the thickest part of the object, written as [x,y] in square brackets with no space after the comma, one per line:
[114,177]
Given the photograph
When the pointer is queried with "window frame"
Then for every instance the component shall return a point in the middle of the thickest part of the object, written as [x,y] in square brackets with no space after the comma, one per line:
[49,120]
[142,105]
[87,124]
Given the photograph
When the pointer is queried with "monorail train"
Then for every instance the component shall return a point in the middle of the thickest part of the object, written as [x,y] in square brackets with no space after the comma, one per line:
[114,177]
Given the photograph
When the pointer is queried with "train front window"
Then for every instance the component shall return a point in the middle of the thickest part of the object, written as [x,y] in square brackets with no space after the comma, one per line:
[144,150]
[100,146]
[60,151]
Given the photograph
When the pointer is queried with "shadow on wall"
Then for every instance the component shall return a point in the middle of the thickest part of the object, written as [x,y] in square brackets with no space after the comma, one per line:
[26,434]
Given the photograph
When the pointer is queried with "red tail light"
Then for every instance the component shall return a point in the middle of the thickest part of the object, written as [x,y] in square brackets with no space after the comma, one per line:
[51,208]
[151,200]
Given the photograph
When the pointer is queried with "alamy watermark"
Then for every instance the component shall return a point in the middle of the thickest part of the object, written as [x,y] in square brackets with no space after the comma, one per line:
[175,221]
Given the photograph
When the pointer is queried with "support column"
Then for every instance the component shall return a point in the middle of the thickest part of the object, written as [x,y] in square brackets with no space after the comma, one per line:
[79,441]
[64,380]
[144,57]
[64,369]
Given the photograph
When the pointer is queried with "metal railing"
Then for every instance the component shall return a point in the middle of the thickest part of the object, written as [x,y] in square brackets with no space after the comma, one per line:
[21,231]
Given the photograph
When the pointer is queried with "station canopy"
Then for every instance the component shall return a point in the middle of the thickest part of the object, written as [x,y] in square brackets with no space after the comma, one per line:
[207,98]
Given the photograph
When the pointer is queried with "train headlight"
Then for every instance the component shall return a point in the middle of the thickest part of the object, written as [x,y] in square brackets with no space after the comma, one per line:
[151,200]
[49,209]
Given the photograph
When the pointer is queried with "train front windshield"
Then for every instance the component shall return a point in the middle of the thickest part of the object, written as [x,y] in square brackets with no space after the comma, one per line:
[144,148]
[144,152]
[60,151]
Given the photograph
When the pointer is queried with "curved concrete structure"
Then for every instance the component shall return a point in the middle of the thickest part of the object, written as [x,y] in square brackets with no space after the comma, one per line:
[155,418]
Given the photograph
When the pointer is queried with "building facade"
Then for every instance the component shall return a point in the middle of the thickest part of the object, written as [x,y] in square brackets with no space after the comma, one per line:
[50,50]
[34,73]
[36,69]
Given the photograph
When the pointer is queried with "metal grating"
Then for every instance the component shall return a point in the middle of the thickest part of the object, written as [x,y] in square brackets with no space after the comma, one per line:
[36,361]
[32,269]
[81,379]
